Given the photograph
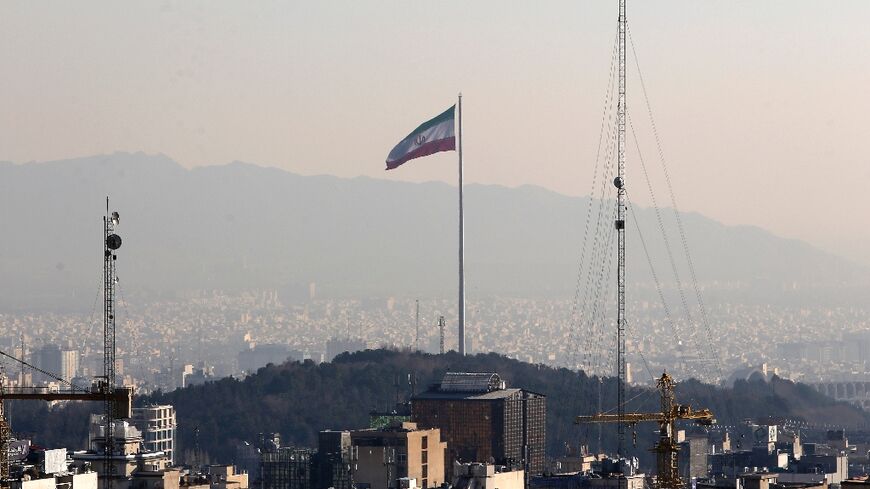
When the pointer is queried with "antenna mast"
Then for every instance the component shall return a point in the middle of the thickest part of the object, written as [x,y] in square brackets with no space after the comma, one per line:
[111,242]
[619,182]
[417,325]
[441,334]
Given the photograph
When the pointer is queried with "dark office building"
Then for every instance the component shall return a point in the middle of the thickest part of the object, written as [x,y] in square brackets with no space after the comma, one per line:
[482,420]
[332,463]
[286,468]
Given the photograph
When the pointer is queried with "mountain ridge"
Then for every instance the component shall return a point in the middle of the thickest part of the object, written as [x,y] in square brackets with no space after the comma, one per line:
[243,226]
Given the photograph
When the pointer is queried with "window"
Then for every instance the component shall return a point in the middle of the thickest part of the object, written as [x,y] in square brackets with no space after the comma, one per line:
[425,442]
[425,471]
[425,457]
[425,483]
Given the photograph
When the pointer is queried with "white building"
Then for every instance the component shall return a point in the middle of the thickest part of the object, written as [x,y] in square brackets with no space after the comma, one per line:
[486,476]
[157,424]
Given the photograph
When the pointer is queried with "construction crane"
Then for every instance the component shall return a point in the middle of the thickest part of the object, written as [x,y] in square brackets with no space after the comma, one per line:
[118,401]
[666,447]
[121,399]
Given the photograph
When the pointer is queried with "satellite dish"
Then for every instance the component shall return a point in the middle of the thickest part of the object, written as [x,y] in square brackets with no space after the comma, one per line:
[113,241]
[115,218]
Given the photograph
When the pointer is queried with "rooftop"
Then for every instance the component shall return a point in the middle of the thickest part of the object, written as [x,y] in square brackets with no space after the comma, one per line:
[471,382]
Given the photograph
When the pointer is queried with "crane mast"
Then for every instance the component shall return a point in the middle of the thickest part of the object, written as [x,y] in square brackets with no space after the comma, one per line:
[666,448]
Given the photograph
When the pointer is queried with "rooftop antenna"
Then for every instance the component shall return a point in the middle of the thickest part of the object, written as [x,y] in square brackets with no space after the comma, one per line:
[441,333]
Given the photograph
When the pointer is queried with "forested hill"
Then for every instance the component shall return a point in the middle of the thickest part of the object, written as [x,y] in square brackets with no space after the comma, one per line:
[299,399]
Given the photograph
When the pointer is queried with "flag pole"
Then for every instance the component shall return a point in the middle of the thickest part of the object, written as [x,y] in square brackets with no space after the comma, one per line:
[461,242]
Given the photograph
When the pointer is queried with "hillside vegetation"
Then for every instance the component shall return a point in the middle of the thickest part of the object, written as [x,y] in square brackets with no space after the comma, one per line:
[299,399]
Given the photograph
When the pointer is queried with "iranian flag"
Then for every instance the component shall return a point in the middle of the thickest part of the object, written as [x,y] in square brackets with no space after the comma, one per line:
[432,136]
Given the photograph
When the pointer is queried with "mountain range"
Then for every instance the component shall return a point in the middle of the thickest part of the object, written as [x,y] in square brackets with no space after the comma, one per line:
[241,226]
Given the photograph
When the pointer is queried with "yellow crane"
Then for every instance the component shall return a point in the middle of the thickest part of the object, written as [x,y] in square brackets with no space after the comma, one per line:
[666,447]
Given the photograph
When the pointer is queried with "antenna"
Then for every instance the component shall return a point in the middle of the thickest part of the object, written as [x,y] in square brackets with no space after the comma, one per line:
[111,243]
[21,384]
[441,333]
[5,430]
[417,323]
[619,183]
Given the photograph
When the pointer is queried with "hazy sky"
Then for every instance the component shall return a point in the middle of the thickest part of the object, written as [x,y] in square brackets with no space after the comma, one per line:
[762,106]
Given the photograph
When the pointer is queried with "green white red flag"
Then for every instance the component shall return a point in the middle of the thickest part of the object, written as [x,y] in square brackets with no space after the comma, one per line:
[433,136]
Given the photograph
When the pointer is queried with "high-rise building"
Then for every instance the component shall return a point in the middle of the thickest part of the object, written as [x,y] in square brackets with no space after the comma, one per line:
[157,424]
[482,420]
[332,462]
[54,360]
[69,364]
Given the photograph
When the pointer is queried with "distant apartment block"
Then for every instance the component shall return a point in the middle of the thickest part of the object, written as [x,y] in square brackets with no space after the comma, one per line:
[158,427]
[258,356]
[54,360]
[337,346]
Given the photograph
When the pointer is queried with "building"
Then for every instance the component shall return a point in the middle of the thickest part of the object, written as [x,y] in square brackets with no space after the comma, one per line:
[258,356]
[199,375]
[286,468]
[834,466]
[225,477]
[67,480]
[693,457]
[486,476]
[158,428]
[382,457]
[337,346]
[767,480]
[606,473]
[332,463]
[482,420]
[52,359]
[132,467]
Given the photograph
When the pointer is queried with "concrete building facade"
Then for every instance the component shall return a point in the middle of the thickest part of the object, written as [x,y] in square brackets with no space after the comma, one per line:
[382,457]
[158,428]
